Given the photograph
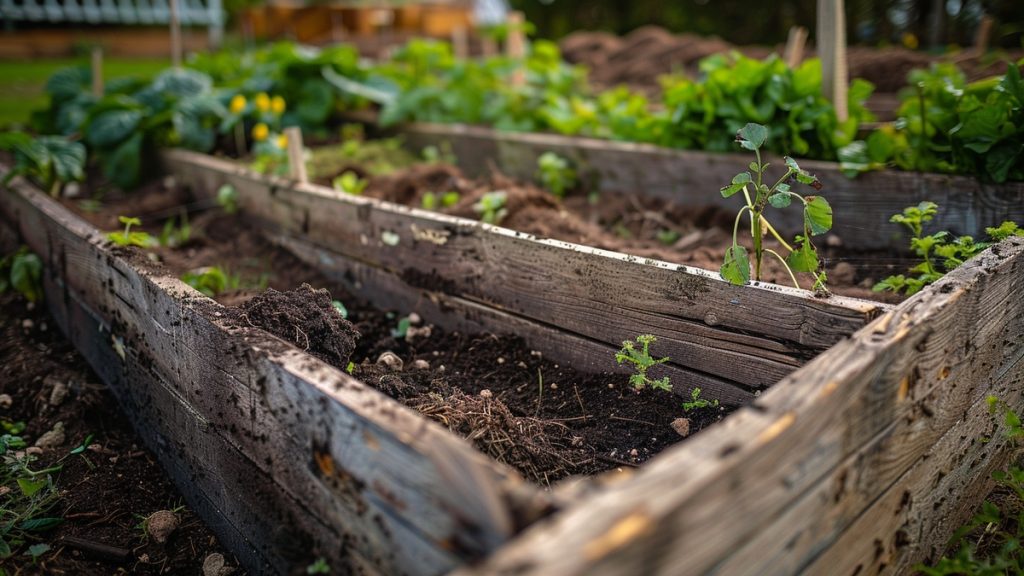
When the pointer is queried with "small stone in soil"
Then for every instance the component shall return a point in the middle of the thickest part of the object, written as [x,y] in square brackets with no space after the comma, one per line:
[681,426]
[415,319]
[420,364]
[6,400]
[161,524]
[27,324]
[53,438]
[390,360]
[58,392]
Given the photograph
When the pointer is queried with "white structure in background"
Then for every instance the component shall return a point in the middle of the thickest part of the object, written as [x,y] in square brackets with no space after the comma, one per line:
[489,12]
[209,13]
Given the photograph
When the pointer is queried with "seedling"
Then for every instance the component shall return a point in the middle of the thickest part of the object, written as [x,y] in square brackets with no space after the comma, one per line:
[432,201]
[668,237]
[817,216]
[211,280]
[402,328]
[22,271]
[227,197]
[350,183]
[439,155]
[491,207]
[174,236]
[340,308]
[642,361]
[129,238]
[939,252]
[319,567]
[697,403]
[556,174]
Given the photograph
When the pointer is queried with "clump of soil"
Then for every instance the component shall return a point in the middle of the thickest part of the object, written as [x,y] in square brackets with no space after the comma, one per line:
[307,318]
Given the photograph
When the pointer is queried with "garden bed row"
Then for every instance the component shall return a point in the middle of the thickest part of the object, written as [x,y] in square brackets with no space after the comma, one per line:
[281,452]
[864,204]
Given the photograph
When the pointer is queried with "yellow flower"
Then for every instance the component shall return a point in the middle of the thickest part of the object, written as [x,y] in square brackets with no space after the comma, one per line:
[282,141]
[262,102]
[260,132]
[909,40]
[277,105]
[237,104]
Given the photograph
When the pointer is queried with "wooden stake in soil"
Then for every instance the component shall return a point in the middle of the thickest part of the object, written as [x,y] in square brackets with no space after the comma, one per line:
[795,43]
[515,46]
[296,163]
[97,72]
[831,39]
[175,35]
[460,43]
[984,32]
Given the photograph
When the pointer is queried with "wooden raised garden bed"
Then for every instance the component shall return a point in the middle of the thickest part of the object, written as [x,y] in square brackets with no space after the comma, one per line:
[966,205]
[868,451]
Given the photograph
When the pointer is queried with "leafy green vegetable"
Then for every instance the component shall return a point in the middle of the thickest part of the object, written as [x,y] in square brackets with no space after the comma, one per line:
[22,271]
[51,160]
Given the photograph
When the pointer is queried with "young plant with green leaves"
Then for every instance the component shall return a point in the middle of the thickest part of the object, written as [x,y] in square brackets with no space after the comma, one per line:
[492,207]
[556,174]
[211,280]
[438,200]
[27,496]
[642,361]
[697,403]
[940,252]
[175,233]
[129,238]
[52,161]
[759,195]
[22,271]
[350,183]
[227,198]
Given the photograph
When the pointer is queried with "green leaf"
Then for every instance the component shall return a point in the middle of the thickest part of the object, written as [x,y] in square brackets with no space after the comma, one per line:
[340,308]
[40,524]
[27,276]
[780,199]
[736,267]
[124,165]
[5,549]
[68,158]
[752,136]
[818,215]
[112,127]
[804,258]
[30,487]
[37,550]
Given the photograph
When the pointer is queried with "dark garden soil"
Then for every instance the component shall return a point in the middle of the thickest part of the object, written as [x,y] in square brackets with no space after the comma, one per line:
[107,491]
[630,223]
[543,418]
[640,57]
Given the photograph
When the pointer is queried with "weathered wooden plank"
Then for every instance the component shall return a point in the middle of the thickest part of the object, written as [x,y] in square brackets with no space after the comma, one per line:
[854,424]
[862,205]
[358,475]
[752,335]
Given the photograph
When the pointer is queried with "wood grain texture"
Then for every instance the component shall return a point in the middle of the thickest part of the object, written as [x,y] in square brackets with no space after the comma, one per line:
[803,478]
[283,455]
[749,335]
[862,205]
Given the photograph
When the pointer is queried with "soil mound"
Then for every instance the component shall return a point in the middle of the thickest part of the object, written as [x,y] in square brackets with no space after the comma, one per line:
[306,318]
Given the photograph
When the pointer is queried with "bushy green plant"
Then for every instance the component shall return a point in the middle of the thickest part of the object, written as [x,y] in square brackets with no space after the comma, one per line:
[642,361]
[23,272]
[52,161]
[28,497]
[817,216]
[940,252]
[556,174]
[350,183]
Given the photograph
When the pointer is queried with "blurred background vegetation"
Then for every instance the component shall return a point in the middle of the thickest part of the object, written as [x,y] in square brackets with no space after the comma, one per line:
[933,23]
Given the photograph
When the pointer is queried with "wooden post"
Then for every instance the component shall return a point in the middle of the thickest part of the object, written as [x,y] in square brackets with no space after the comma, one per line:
[296,162]
[460,45]
[515,46]
[984,32]
[97,72]
[795,42]
[175,35]
[831,39]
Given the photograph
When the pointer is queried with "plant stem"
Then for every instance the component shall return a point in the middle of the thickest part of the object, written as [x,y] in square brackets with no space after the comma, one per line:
[736,225]
[755,224]
[786,266]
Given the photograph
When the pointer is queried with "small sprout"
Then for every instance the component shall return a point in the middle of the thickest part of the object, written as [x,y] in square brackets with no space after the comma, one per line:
[211,280]
[491,207]
[556,174]
[803,256]
[432,201]
[435,155]
[668,237]
[37,550]
[350,183]
[227,197]
[642,361]
[175,236]
[697,403]
[340,308]
[129,238]
[402,329]
[351,368]
[319,567]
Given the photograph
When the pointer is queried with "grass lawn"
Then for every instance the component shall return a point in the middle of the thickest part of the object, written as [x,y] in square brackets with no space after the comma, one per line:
[21,83]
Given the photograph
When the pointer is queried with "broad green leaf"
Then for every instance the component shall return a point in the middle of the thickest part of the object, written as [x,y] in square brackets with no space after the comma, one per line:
[752,136]
[124,165]
[112,127]
[29,487]
[27,276]
[40,524]
[818,215]
[67,158]
[67,83]
[5,549]
[804,258]
[736,267]
[738,182]
[780,200]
